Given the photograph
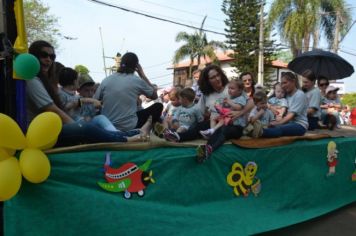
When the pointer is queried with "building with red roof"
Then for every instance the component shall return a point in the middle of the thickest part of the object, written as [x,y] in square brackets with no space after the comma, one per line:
[181,70]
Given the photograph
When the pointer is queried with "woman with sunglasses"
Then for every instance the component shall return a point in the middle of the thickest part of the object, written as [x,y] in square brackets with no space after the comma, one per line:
[42,96]
[323,83]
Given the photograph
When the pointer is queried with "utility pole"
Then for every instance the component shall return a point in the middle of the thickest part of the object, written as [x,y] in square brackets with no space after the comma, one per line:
[260,51]
[337,32]
[102,47]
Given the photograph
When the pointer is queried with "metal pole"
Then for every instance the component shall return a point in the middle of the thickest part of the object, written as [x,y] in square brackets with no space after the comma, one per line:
[102,47]
[260,52]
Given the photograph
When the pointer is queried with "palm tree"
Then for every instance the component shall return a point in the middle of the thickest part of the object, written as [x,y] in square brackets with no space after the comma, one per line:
[300,21]
[196,47]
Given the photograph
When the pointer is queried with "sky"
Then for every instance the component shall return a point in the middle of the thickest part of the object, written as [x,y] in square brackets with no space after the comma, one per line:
[152,40]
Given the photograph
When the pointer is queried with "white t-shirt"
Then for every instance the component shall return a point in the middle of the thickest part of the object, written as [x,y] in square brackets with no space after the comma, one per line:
[209,101]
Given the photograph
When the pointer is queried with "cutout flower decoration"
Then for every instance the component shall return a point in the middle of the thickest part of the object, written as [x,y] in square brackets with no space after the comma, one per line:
[33,164]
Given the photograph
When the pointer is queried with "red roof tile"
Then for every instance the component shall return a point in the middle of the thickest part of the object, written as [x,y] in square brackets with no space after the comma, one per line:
[223,57]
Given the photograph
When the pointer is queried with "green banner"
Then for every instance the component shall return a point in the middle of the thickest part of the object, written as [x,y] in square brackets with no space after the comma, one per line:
[186,198]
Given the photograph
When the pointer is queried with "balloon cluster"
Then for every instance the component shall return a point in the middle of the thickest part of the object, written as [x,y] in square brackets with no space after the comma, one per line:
[26,66]
[32,164]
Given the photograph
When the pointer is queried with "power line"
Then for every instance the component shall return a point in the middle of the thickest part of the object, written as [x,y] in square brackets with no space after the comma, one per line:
[154,17]
[160,76]
[349,53]
[347,48]
[180,10]
[160,64]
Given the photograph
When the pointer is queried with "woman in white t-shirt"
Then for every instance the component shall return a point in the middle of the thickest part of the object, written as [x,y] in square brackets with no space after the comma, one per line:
[213,85]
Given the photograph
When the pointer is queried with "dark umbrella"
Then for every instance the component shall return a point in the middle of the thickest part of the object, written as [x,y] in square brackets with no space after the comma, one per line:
[322,63]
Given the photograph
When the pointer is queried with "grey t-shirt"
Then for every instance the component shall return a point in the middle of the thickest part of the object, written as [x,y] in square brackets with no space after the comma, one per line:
[280,102]
[314,101]
[298,104]
[171,110]
[118,93]
[68,97]
[188,116]
[37,98]
[209,101]
[266,118]
[241,100]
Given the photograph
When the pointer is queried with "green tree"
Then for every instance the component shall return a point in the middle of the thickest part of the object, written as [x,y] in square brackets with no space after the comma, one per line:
[242,28]
[298,22]
[40,24]
[285,56]
[349,99]
[196,46]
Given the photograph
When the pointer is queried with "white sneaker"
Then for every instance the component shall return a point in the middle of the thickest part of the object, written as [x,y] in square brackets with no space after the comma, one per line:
[205,133]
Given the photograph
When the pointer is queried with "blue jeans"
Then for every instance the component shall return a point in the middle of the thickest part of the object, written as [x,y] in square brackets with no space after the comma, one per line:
[289,129]
[103,122]
[86,132]
[313,123]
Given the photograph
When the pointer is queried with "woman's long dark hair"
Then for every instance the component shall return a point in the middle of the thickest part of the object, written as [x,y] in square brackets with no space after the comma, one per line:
[47,80]
[203,82]
[128,63]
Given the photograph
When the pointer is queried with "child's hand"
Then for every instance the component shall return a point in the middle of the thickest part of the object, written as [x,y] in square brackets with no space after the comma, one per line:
[175,125]
[97,103]
[279,118]
[207,114]
[273,123]
[227,102]
[261,111]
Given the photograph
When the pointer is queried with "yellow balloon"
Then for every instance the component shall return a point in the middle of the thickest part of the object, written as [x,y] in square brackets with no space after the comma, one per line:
[49,145]
[44,130]
[10,178]
[11,135]
[35,166]
[9,151]
[3,154]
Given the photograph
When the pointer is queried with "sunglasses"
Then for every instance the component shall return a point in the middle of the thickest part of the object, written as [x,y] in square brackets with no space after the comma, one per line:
[323,85]
[45,55]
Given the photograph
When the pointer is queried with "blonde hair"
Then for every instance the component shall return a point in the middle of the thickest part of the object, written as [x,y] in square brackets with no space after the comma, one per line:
[238,82]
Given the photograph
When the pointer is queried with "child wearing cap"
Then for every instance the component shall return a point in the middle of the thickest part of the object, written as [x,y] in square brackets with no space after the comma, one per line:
[331,106]
[80,107]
